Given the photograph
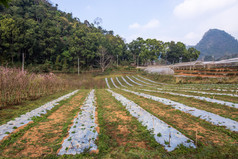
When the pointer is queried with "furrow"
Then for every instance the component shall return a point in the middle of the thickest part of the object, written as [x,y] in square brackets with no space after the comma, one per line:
[134,81]
[210,117]
[120,82]
[164,134]
[114,83]
[230,104]
[142,81]
[24,119]
[222,94]
[126,81]
[151,80]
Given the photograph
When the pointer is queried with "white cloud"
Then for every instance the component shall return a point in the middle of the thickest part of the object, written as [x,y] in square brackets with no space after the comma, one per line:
[192,38]
[88,7]
[194,8]
[191,35]
[154,23]
[134,26]
[226,20]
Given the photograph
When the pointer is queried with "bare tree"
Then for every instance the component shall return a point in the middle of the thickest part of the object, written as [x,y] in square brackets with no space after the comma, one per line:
[105,59]
[98,21]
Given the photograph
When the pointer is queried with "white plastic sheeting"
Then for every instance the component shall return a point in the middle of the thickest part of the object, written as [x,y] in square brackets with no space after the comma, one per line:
[120,83]
[209,89]
[225,90]
[210,117]
[230,104]
[163,133]
[126,81]
[107,83]
[82,134]
[142,81]
[24,119]
[149,80]
[160,70]
[114,83]
[221,94]
[134,81]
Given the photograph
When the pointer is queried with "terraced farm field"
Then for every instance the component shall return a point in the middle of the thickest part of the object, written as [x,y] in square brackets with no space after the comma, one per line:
[134,117]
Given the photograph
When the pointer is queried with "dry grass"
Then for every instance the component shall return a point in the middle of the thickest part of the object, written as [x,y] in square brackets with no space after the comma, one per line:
[83,81]
[17,86]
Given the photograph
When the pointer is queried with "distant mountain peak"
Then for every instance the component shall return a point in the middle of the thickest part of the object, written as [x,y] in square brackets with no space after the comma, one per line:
[217,43]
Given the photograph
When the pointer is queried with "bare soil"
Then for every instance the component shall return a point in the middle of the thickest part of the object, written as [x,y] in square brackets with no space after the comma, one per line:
[182,121]
[119,123]
[36,142]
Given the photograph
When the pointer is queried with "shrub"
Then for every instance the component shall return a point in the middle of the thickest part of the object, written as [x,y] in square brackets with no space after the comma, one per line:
[17,86]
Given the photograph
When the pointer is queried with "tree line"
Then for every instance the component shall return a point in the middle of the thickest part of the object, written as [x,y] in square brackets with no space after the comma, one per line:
[38,33]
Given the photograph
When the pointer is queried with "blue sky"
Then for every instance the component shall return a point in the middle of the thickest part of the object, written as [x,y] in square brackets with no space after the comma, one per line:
[166,20]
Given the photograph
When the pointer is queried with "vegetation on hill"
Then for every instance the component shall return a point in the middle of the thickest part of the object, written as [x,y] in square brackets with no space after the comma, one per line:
[45,38]
[217,43]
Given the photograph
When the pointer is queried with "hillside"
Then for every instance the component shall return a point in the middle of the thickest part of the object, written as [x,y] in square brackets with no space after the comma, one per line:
[41,38]
[217,43]
[44,35]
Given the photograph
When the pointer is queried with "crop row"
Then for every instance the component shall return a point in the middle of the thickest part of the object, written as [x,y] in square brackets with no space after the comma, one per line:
[82,134]
[24,119]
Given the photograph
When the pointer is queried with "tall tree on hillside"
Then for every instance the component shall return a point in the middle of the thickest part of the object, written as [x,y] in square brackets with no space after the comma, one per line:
[9,36]
[136,46]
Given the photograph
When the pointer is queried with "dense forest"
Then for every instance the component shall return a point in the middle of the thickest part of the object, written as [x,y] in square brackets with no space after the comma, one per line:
[36,33]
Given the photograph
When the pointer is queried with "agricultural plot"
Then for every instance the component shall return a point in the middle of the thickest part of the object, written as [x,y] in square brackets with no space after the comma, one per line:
[210,117]
[164,134]
[9,127]
[230,104]
[136,117]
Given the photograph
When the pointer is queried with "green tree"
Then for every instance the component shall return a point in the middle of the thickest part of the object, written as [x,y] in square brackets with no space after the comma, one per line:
[57,63]
[136,46]
[9,33]
[193,54]
[4,2]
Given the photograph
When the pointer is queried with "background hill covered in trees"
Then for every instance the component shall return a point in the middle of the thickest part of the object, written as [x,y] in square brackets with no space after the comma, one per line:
[217,43]
[55,40]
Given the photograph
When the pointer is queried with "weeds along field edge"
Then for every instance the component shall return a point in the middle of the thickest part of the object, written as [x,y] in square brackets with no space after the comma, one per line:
[17,86]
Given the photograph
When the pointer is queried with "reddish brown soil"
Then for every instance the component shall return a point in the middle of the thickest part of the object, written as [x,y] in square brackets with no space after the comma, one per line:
[197,75]
[181,121]
[36,141]
[114,114]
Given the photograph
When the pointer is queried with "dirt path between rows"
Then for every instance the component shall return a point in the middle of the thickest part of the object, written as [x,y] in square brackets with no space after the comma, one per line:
[119,124]
[199,104]
[182,121]
[39,141]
